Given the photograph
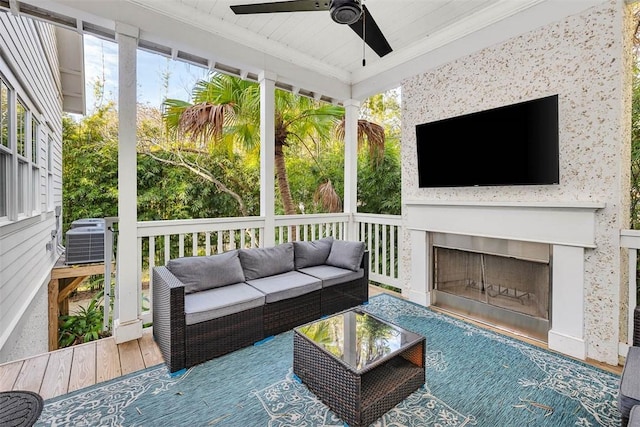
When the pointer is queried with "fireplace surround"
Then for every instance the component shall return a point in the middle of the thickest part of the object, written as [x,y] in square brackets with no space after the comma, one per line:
[567,228]
[504,282]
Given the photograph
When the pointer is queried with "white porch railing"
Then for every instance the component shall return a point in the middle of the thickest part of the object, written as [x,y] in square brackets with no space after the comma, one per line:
[160,241]
[630,239]
[382,237]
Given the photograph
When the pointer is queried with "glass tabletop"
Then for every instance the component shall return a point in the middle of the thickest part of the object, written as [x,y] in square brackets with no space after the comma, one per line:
[358,339]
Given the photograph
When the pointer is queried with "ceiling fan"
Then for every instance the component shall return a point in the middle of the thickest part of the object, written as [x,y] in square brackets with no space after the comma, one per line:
[349,12]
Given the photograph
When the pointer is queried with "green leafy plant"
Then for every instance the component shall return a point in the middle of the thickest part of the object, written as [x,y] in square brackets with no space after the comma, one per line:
[84,326]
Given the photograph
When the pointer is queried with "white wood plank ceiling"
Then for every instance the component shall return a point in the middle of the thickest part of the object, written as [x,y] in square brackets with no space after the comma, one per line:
[308,50]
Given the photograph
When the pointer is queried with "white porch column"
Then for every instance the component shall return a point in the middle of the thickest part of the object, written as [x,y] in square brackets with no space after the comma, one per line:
[419,289]
[126,325]
[351,114]
[567,316]
[267,156]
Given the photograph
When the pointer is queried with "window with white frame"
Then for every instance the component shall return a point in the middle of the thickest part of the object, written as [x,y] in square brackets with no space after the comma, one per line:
[49,172]
[35,166]
[23,161]
[20,177]
[5,150]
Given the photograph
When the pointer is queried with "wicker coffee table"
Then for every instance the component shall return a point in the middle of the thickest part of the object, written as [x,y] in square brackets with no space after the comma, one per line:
[358,365]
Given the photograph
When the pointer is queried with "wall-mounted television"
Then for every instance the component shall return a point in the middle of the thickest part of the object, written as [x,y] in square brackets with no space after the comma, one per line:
[511,145]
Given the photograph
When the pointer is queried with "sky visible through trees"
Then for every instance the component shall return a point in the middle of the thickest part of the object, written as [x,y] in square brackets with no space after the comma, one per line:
[158,77]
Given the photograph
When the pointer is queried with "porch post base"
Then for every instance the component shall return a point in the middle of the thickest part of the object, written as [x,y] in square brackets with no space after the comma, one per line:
[565,344]
[422,298]
[127,331]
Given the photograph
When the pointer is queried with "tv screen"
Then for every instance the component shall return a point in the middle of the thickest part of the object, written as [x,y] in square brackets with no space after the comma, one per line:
[511,145]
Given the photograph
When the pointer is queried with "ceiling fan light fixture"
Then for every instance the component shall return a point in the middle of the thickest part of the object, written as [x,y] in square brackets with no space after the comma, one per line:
[345,11]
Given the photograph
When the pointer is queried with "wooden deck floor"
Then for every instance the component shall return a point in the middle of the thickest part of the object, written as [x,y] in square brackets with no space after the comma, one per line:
[68,369]
[63,371]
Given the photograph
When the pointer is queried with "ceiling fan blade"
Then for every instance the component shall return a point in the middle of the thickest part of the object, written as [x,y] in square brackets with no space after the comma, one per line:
[281,6]
[374,37]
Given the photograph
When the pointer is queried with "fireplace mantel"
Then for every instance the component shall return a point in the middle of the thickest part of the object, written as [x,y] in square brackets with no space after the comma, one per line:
[569,227]
[563,223]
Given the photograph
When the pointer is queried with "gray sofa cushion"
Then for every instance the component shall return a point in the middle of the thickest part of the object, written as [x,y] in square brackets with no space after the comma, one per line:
[331,275]
[634,417]
[286,285]
[263,262]
[199,273]
[629,392]
[308,254]
[218,302]
[345,254]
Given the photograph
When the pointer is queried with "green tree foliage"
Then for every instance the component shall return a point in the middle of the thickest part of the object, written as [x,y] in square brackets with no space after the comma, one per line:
[183,178]
[226,111]
[90,166]
[380,186]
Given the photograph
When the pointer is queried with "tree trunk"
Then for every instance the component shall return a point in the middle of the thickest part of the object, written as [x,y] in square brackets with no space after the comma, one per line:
[283,181]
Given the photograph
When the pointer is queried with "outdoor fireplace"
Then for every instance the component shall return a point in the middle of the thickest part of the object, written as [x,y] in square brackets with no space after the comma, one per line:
[504,282]
[558,234]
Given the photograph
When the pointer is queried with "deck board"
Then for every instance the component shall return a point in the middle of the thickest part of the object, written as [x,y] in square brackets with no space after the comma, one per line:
[83,368]
[150,351]
[56,377]
[32,373]
[130,357]
[8,375]
[107,360]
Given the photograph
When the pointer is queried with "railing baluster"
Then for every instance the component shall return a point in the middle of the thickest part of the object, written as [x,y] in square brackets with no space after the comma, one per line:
[167,248]
[242,238]
[181,245]
[207,243]
[194,244]
[384,249]
[220,245]
[369,245]
[252,234]
[139,274]
[232,240]
[152,263]
[633,259]
[377,246]
[392,264]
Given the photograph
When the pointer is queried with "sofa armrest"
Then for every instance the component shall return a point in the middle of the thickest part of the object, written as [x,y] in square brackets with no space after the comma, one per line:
[168,317]
[365,265]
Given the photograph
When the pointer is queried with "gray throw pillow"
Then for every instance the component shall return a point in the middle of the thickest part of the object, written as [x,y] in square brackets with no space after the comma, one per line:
[346,254]
[263,262]
[310,254]
[199,273]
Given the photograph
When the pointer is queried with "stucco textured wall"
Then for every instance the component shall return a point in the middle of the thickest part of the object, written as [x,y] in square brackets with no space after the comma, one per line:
[583,59]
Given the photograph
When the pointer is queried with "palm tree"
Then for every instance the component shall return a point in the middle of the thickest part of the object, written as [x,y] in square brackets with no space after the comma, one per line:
[226,112]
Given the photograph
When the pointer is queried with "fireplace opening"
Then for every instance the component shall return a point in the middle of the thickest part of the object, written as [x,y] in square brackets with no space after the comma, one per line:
[503,283]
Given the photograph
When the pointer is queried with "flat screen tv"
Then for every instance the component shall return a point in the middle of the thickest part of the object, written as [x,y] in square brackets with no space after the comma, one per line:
[511,145]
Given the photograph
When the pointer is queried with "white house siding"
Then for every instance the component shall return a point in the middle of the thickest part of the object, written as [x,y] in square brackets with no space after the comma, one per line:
[28,62]
[585,60]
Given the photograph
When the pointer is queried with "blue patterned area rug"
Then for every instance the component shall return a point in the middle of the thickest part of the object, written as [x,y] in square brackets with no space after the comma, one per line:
[474,378]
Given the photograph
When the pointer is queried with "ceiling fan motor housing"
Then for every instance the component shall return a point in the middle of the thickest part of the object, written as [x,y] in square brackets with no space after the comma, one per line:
[345,11]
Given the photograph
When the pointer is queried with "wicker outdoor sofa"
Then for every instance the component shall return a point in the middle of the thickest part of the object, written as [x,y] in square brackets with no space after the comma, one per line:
[207,306]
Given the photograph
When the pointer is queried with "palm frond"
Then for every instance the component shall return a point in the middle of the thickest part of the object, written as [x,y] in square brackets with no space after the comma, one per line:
[204,121]
[369,132]
[327,197]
